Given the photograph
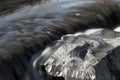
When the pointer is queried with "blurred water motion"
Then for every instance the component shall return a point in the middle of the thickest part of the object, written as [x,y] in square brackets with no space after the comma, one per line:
[27,27]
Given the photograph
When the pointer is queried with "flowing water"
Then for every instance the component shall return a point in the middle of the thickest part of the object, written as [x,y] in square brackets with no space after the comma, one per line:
[27,26]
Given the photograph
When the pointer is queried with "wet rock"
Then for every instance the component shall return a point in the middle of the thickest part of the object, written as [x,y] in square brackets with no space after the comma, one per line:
[79,51]
[109,67]
[83,57]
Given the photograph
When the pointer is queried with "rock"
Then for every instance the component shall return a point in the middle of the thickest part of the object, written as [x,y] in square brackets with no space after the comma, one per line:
[83,57]
[109,67]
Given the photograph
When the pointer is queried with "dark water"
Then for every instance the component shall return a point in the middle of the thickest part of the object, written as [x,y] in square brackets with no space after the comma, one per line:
[10,5]
[29,15]
[15,9]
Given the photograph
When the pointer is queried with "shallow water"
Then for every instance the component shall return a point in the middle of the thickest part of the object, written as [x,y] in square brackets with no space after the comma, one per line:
[36,13]
[37,9]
